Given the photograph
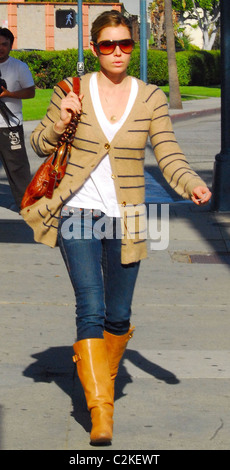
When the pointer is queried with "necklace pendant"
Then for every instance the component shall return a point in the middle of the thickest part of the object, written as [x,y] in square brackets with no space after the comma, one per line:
[113,118]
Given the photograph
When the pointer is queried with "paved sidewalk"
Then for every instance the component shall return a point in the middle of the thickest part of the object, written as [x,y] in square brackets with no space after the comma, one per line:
[196,108]
[173,384]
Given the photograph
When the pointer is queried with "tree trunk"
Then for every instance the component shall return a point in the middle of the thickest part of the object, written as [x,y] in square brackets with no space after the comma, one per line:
[174,89]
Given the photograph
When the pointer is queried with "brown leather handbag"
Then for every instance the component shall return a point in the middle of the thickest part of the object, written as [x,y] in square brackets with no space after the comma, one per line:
[50,173]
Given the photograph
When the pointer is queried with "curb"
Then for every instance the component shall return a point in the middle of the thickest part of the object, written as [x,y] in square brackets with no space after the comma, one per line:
[193,114]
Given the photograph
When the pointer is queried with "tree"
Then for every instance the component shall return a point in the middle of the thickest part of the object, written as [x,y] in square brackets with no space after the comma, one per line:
[205,13]
[174,88]
[157,16]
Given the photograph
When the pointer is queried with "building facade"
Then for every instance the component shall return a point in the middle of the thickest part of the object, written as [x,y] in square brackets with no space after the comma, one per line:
[34,24]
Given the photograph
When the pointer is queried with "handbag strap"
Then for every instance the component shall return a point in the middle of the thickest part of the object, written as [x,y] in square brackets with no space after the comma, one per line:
[76,85]
[7,113]
[66,88]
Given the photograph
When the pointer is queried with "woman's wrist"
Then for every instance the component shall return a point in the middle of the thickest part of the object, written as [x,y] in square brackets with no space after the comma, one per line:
[59,127]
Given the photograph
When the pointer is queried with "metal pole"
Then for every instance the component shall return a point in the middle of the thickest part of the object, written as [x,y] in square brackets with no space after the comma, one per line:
[143,41]
[80,64]
[221,177]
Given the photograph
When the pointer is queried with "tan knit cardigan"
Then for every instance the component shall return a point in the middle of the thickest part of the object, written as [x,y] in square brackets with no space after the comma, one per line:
[149,116]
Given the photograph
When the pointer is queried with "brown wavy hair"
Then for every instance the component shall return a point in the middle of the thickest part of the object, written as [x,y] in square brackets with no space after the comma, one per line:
[106,19]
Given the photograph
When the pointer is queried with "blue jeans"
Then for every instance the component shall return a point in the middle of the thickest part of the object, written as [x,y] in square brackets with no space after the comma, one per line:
[103,286]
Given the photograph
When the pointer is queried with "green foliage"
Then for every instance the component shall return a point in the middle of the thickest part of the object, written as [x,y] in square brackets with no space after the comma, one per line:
[49,67]
[189,4]
[195,67]
[198,67]
[157,67]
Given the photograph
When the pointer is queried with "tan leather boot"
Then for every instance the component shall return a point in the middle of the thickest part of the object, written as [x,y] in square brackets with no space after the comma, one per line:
[116,346]
[94,374]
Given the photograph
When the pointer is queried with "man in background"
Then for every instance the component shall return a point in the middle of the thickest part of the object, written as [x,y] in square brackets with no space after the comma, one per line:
[16,84]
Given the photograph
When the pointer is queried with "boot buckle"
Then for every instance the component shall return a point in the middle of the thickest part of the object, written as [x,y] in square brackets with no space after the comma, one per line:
[131,332]
[76,358]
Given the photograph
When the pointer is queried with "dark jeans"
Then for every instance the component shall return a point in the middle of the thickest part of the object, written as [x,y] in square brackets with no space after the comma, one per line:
[15,161]
[103,286]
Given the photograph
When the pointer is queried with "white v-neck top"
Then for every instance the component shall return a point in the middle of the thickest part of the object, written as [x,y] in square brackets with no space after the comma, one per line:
[98,192]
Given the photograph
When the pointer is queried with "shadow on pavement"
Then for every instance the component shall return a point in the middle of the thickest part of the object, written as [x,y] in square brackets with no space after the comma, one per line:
[6,198]
[55,365]
[15,231]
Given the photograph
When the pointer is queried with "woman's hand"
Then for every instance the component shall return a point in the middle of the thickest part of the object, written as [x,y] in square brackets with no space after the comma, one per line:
[201,195]
[71,104]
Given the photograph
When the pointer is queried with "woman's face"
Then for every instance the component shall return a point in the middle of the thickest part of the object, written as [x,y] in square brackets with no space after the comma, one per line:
[117,62]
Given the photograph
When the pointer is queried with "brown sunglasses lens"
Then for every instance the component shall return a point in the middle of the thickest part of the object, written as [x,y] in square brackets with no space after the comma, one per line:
[108,47]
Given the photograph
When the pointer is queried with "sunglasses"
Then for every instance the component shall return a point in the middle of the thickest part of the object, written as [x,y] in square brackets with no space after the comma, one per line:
[108,47]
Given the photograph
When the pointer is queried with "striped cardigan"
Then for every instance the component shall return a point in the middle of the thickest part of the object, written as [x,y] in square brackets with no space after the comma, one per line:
[148,117]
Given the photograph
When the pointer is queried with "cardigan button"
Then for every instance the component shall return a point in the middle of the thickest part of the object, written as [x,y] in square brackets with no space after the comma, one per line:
[113,177]
[107,146]
[123,203]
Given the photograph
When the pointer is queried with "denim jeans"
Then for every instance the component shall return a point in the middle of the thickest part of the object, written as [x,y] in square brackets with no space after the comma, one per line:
[103,286]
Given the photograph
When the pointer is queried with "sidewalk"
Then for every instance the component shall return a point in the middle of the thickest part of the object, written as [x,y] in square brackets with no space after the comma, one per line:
[195,108]
[173,384]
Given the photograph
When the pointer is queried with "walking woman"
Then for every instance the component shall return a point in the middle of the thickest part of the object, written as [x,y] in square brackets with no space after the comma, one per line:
[104,189]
